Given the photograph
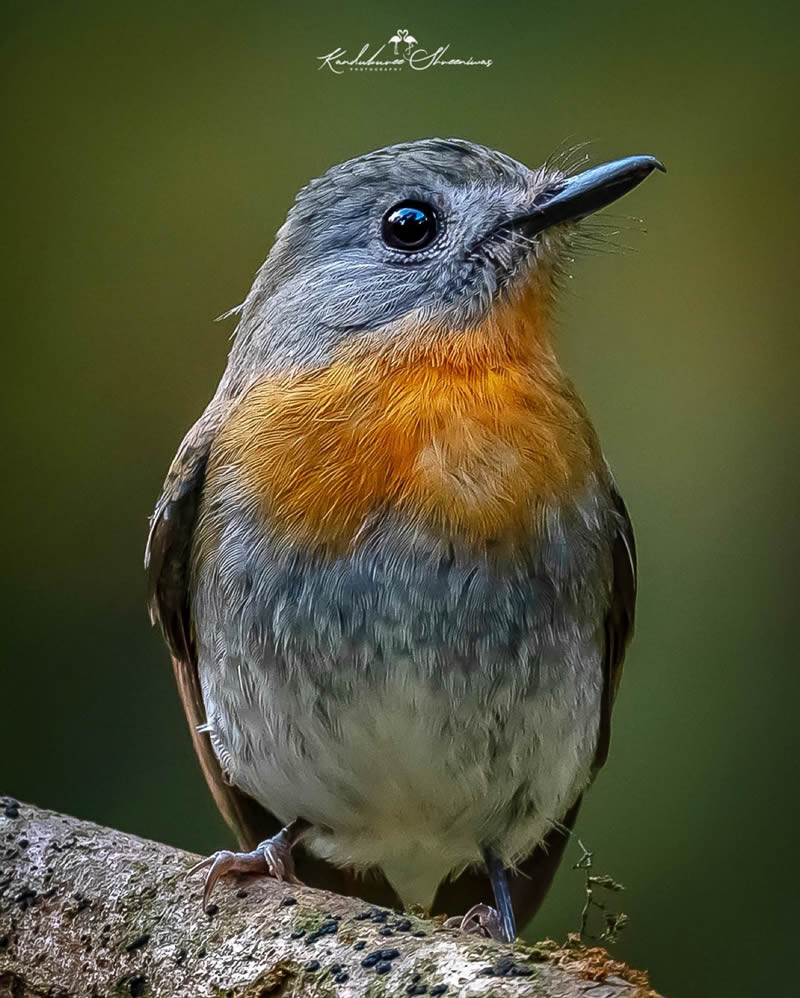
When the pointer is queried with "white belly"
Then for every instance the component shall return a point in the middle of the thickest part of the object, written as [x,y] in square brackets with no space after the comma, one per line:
[403,774]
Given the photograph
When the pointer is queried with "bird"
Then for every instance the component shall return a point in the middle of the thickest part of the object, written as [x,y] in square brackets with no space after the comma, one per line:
[393,569]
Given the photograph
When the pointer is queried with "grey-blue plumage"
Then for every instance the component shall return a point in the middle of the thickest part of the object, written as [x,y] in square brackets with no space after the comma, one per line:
[410,700]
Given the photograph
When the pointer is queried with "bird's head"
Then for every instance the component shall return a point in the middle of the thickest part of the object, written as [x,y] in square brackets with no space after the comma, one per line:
[393,352]
[421,240]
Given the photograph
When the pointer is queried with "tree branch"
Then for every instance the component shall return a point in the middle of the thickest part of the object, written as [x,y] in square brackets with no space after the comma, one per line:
[87,911]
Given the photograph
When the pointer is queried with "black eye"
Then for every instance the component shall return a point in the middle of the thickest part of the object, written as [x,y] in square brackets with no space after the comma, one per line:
[410,225]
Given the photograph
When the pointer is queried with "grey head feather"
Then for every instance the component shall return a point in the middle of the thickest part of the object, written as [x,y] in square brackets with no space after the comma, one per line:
[329,276]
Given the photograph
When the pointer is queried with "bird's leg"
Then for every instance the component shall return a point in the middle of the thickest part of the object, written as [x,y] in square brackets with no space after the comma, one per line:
[271,858]
[497,923]
[502,898]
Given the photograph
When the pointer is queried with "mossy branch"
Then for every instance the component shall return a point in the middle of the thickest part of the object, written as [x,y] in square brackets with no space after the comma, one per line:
[90,912]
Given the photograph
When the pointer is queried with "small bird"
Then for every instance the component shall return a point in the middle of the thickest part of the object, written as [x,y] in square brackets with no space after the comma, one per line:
[395,576]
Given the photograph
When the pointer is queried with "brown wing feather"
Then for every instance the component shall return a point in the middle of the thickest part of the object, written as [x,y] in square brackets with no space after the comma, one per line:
[167,564]
[619,622]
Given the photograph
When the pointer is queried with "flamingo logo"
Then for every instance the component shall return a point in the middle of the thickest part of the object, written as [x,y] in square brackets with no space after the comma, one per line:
[402,37]
[402,52]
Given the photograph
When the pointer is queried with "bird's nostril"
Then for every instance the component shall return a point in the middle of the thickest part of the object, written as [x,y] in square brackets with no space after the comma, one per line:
[548,192]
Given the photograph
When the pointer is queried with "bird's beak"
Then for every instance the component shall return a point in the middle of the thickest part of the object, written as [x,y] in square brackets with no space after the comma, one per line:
[576,197]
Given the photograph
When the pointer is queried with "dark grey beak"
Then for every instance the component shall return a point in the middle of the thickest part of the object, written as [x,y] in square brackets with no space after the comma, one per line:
[576,197]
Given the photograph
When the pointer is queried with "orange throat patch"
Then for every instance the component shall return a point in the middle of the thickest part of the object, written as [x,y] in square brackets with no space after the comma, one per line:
[462,433]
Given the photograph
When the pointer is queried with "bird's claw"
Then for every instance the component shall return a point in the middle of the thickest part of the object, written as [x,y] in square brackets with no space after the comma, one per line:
[481,920]
[271,858]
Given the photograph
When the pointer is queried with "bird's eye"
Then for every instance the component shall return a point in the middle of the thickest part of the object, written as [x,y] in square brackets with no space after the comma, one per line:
[410,225]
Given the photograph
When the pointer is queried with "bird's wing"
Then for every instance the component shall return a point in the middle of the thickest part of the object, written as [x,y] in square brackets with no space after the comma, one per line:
[618,625]
[531,880]
[167,559]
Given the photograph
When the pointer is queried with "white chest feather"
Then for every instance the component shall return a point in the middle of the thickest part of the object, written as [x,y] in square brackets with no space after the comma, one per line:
[404,776]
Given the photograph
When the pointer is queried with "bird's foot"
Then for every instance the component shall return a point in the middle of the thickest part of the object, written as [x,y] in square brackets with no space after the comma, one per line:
[270,858]
[481,920]
[493,923]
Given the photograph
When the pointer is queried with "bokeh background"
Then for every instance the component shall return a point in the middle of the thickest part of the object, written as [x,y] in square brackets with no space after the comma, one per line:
[150,152]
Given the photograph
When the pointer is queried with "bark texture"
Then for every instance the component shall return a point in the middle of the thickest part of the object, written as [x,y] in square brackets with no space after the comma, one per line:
[90,912]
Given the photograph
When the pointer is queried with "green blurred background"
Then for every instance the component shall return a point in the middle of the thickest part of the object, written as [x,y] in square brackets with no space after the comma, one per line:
[151,150]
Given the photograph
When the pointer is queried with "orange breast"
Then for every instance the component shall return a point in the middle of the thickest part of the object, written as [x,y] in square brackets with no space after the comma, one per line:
[462,435]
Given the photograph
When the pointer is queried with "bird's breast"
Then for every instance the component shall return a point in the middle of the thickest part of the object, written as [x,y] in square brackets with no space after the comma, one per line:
[462,438]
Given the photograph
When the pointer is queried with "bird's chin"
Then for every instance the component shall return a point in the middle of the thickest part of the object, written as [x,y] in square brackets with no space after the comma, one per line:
[515,265]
